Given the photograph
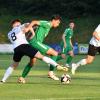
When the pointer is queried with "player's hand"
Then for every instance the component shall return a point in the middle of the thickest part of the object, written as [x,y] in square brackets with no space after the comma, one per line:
[31,36]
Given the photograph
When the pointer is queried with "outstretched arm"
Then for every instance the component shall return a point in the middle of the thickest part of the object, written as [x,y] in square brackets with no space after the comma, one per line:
[96,35]
[63,38]
[29,27]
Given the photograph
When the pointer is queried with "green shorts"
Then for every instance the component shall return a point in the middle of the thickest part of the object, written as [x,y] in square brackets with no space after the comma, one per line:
[67,49]
[39,46]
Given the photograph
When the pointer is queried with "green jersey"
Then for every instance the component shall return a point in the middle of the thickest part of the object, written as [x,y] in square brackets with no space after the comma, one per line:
[42,30]
[68,34]
[40,33]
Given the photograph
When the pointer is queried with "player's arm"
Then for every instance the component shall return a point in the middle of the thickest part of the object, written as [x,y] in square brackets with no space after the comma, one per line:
[33,33]
[64,40]
[96,35]
[35,22]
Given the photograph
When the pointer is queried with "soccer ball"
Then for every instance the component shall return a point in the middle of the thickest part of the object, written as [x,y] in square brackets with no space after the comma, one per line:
[65,79]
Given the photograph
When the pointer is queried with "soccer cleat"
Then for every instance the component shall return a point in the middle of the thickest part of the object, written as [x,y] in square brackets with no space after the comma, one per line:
[67,65]
[21,80]
[59,67]
[52,76]
[1,82]
[74,67]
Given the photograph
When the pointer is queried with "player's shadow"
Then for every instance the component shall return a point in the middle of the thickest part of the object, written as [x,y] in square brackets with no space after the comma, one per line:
[48,81]
[53,82]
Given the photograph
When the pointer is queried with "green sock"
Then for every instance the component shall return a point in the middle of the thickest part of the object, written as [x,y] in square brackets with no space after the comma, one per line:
[26,70]
[69,59]
[59,57]
[51,66]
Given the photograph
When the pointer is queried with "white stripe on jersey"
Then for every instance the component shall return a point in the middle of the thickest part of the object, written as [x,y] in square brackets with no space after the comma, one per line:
[17,37]
[93,40]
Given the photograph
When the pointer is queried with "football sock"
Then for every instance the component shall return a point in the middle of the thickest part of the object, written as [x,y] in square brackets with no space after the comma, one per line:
[26,70]
[81,62]
[69,59]
[7,73]
[59,57]
[51,66]
[49,61]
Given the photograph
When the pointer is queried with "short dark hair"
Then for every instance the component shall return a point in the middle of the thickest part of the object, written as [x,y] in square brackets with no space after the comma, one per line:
[15,20]
[56,17]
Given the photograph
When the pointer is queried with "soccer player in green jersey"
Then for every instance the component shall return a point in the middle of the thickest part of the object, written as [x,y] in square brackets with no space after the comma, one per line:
[37,42]
[66,44]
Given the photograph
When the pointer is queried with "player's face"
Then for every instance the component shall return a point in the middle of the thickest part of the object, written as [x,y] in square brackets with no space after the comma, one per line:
[56,23]
[72,25]
[16,24]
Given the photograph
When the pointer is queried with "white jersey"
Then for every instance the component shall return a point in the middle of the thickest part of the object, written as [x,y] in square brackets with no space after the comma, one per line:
[17,37]
[93,40]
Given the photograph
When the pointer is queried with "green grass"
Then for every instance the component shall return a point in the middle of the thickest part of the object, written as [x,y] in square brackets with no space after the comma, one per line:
[85,85]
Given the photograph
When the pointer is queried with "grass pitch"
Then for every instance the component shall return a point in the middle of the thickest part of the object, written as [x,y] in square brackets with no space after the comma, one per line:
[85,85]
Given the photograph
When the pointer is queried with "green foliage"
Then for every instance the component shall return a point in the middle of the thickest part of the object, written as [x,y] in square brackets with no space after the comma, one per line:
[77,10]
[72,8]
[84,26]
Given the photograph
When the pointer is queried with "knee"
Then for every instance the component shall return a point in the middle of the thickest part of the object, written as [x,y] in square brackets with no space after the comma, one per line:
[31,63]
[56,54]
[14,65]
[71,54]
[52,52]
[63,56]
[89,61]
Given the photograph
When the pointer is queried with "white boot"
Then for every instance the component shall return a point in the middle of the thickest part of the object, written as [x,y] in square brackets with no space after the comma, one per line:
[74,67]
[52,75]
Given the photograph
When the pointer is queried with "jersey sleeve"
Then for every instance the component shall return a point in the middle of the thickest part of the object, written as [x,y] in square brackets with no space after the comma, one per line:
[98,29]
[66,31]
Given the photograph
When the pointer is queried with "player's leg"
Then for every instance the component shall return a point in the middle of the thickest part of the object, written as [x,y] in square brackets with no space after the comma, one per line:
[82,62]
[26,70]
[69,51]
[18,54]
[62,54]
[50,61]
[16,59]
[44,49]
[28,67]
[69,58]
[89,59]
[9,71]
[99,50]
[46,60]
[54,55]
[39,46]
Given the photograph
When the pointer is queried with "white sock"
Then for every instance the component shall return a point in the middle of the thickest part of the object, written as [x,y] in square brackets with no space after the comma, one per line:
[7,73]
[49,61]
[81,62]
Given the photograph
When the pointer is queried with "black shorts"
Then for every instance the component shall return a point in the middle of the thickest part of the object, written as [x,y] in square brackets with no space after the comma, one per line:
[24,49]
[92,51]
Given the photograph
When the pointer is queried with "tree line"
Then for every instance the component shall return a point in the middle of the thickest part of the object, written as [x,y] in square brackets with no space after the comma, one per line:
[71,8]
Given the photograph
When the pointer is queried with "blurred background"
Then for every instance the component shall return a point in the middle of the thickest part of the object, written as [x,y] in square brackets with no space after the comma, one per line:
[85,14]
